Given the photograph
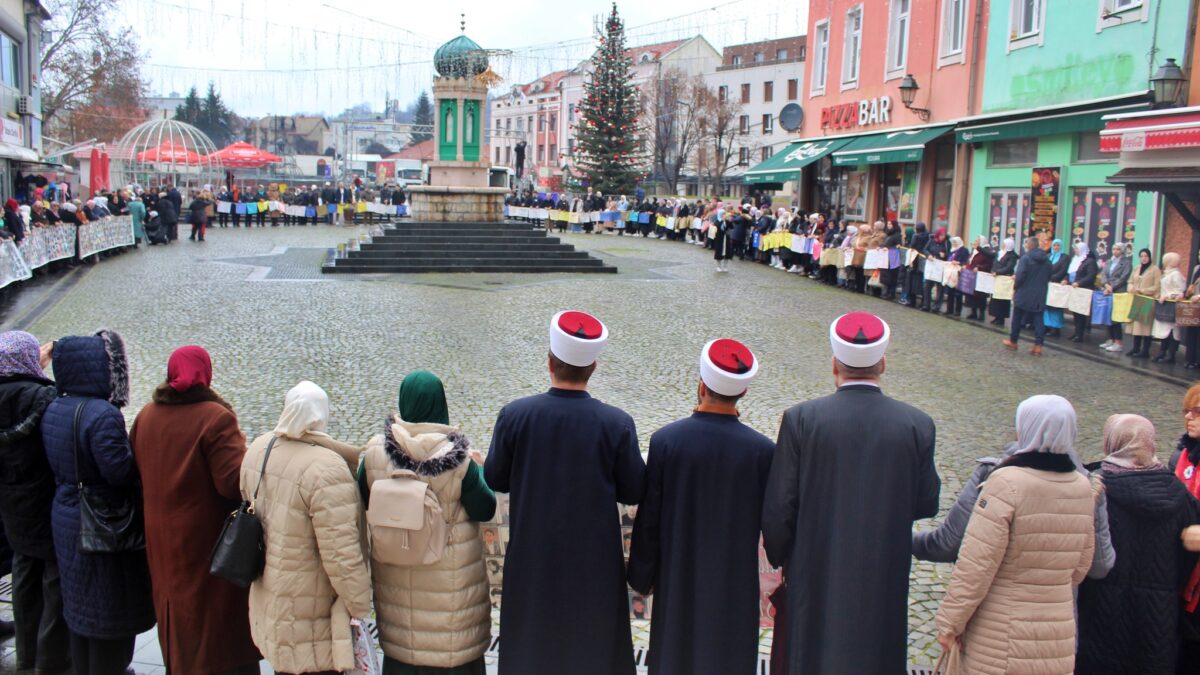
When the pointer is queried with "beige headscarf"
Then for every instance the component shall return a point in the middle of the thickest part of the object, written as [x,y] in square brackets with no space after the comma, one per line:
[1170,261]
[305,412]
[1129,443]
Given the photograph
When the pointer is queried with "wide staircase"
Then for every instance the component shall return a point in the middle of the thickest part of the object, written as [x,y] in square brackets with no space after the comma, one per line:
[414,247]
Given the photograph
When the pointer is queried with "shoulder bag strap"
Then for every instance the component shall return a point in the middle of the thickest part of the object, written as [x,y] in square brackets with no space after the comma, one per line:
[261,471]
[75,442]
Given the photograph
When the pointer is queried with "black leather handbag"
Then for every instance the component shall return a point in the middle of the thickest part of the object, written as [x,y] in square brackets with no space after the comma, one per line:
[105,525]
[240,551]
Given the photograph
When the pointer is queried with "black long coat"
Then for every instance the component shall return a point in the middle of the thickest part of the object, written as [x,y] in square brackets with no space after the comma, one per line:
[1030,281]
[26,483]
[566,459]
[1129,620]
[851,473]
[705,479]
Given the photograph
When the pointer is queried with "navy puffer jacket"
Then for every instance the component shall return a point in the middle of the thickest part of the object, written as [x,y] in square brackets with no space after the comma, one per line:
[105,596]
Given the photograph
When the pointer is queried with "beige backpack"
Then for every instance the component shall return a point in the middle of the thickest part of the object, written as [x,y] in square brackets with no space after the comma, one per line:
[405,521]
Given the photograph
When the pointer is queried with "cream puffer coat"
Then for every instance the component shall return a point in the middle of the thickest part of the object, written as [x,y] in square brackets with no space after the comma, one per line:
[434,615]
[1028,544]
[316,576]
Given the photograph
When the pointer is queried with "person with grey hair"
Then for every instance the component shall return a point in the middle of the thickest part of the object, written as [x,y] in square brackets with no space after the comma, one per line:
[1029,543]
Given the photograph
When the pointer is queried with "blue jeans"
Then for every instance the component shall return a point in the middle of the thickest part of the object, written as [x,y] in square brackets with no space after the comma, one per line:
[1020,318]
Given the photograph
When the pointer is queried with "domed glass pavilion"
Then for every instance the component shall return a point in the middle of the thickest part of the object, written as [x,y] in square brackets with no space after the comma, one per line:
[161,151]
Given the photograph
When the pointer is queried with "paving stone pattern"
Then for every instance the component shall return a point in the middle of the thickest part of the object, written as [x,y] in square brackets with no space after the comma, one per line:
[485,336]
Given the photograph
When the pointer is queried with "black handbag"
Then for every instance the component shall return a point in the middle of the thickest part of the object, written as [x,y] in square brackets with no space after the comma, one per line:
[105,526]
[240,552]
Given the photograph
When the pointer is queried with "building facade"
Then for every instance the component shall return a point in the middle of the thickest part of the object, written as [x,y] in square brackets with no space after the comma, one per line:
[291,134]
[20,90]
[530,114]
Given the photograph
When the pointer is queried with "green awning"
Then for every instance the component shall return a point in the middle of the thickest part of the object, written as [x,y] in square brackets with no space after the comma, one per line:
[889,147]
[1033,127]
[786,164]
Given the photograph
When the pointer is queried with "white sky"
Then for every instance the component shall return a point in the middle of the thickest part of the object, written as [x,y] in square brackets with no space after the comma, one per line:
[288,56]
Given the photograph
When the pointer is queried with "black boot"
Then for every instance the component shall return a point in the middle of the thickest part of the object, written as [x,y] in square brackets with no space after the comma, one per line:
[1147,342]
[1137,347]
[1166,353]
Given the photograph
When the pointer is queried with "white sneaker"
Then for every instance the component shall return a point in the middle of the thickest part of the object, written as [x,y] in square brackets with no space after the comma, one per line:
[1115,347]
[1106,344]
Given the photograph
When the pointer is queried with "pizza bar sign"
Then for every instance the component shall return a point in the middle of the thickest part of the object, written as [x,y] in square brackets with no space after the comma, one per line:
[865,112]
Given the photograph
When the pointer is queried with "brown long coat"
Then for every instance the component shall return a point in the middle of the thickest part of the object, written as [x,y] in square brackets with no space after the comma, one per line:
[189,451]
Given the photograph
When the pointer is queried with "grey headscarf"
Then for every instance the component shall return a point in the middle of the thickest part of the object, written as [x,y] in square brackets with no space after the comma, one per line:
[1045,423]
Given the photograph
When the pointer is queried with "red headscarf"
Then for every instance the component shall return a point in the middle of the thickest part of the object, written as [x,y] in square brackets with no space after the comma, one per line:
[188,367]
[11,204]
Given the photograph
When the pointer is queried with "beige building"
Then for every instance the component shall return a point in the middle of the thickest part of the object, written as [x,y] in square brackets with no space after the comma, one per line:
[291,134]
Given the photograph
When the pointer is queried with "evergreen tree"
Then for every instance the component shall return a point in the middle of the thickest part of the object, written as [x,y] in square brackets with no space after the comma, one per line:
[189,110]
[423,117]
[609,149]
[216,119]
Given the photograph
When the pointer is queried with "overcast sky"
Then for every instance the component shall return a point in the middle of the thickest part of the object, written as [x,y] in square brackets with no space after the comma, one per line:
[288,56]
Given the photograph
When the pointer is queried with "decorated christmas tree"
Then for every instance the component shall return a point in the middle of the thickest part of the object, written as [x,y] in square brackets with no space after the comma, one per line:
[609,154]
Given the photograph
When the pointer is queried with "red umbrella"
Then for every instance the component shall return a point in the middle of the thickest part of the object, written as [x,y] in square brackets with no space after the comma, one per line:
[170,153]
[242,155]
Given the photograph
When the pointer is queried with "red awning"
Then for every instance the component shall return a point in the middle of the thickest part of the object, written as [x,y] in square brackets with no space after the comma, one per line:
[1165,130]
[242,155]
[169,153]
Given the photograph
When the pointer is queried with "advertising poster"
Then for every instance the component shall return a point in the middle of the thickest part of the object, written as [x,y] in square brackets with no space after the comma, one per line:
[856,194]
[1102,227]
[1130,218]
[1046,183]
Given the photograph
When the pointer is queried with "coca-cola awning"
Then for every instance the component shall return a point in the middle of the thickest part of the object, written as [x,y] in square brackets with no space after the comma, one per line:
[1154,130]
[242,155]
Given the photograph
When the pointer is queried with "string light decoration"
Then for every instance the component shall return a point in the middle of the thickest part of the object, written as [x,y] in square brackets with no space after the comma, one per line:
[608,145]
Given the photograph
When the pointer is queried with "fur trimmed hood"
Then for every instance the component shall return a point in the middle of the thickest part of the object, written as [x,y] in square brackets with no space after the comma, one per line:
[165,395]
[94,366]
[425,449]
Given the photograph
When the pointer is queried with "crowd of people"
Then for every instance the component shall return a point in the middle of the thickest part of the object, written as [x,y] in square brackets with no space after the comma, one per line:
[1059,567]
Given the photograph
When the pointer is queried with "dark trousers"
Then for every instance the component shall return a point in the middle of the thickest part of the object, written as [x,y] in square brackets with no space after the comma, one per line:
[198,231]
[222,219]
[930,287]
[42,639]
[1115,332]
[1022,317]
[1082,323]
[93,656]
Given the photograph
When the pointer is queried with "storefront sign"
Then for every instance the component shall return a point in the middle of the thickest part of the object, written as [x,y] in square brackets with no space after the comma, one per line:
[860,114]
[12,132]
[1046,182]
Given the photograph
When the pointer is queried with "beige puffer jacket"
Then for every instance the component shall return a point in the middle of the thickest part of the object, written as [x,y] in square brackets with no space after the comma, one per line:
[1029,542]
[435,615]
[316,577]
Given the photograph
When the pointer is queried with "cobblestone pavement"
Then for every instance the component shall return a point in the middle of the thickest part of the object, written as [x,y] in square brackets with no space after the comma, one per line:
[256,301]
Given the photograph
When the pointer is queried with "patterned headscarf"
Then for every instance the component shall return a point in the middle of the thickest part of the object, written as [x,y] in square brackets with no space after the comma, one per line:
[1129,443]
[20,354]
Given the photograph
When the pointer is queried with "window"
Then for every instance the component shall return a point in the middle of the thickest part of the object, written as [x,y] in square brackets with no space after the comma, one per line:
[1087,148]
[1122,5]
[744,124]
[781,54]
[541,153]
[541,122]
[499,124]
[530,126]
[722,93]
[1008,215]
[508,125]
[897,54]
[768,92]
[793,89]
[852,47]
[520,124]
[10,62]
[803,52]
[508,155]
[743,156]
[759,57]
[1115,13]
[1026,18]
[1105,215]
[768,124]
[553,152]
[497,154]
[553,121]
[571,111]
[746,93]
[1020,152]
[766,153]
[954,20]
[821,58]
[737,59]
[943,184]
[900,191]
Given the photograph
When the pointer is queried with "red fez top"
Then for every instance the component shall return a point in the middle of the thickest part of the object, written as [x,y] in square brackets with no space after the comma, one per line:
[860,328]
[731,356]
[581,325]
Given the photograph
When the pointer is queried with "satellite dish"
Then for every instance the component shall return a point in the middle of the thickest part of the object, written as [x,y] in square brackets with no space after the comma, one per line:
[791,117]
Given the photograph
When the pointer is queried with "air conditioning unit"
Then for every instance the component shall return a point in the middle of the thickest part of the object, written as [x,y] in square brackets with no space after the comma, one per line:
[25,105]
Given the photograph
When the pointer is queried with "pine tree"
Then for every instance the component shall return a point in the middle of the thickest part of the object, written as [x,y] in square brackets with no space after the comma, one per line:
[609,152]
[423,117]
[189,110]
[216,119]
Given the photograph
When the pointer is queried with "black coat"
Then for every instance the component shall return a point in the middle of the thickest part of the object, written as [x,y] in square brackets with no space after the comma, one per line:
[919,241]
[14,224]
[1006,265]
[26,483]
[708,468]
[1129,621]
[199,209]
[176,199]
[1031,280]
[1085,276]
[851,473]
[566,459]
[167,212]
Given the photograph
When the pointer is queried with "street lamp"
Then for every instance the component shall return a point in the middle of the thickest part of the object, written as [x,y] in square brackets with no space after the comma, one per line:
[1167,83]
[908,92]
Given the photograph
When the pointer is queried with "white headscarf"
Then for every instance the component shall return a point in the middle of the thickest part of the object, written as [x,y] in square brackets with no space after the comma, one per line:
[848,241]
[1010,244]
[1081,251]
[305,411]
[1045,423]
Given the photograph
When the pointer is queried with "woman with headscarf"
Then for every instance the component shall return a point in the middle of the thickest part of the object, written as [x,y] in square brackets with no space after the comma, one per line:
[1171,290]
[889,276]
[26,493]
[13,222]
[435,619]
[316,579]
[189,451]
[1005,266]
[864,240]
[723,245]
[914,278]
[1185,464]
[1053,316]
[1114,278]
[937,248]
[1191,335]
[1081,273]
[1145,280]
[1028,543]
[982,260]
[845,273]
[106,596]
[1147,509]
[959,256]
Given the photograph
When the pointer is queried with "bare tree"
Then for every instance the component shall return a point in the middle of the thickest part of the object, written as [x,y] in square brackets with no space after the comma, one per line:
[721,131]
[674,108]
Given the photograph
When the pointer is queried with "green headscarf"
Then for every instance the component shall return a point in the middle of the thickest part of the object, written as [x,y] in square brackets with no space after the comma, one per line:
[423,399]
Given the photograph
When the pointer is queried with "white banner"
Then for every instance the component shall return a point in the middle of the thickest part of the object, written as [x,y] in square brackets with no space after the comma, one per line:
[104,234]
[12,264]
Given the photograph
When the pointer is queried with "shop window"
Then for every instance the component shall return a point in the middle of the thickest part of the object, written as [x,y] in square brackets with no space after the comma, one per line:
[943,184]
[900,190]
[854,188]
[793,89]
[1008,215]
[1087,148]
[768,92]
[1019,152]
[897,54]
[1101,216]
[746,93]
[821,56]
[852,47]
[954,21]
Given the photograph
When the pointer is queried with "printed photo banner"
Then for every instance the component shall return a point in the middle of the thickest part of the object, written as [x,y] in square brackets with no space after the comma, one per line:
[1002,288]
[1058,295]
[1080,301]
[104,234]
[12,264]
[43,245]
[224,207]
[985,282]
[934,270]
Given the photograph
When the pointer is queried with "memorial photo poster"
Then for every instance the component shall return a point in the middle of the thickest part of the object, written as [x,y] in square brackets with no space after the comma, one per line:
[1046,184]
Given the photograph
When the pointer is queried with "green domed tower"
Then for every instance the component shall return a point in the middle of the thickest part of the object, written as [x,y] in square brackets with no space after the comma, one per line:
[460,57]
[460,98]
